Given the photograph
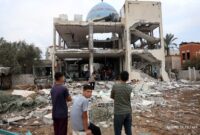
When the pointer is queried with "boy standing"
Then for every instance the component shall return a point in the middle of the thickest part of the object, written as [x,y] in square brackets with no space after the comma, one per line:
[59,95]
[121,93]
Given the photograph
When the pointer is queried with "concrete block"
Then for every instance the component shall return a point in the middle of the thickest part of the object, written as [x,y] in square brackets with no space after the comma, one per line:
[78,133]
[40,113]
[23,93]
[41,99]
[14,119]
[47,119]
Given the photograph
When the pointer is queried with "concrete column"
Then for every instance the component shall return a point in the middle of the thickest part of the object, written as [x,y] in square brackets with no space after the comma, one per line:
[195,76]
[151,33]
[53,55]
[163,71]
[59,65]
[120,64]
[170,74]
[64,44]
[91,44]
[128,58]
[126,42]
[120,42]
[59,41]
[189,73]
[34,71]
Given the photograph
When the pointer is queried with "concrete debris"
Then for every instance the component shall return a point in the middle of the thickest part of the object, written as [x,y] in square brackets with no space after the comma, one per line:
[148,99]
[41,100]
[11,103]
[29,101]
[36,122]
[146,103]
[4,70]
[40,113]
[109,86]
[26,87]
[48,119]
[104,124]
[184,81]
[78,84]
[101,83]
[23,93]
[29,116]
[45,91]
[14,119]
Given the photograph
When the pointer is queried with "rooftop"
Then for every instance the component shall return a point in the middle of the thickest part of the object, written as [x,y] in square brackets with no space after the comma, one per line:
[189,43]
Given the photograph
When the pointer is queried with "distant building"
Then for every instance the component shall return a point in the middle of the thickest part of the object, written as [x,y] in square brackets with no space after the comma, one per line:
[174,52]
[173,62]
[189,50]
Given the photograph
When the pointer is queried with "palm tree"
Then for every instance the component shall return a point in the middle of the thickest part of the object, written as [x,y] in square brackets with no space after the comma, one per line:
[169,42]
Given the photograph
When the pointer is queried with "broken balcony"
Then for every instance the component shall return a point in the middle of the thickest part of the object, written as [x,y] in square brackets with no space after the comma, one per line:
[146,63]
[145,35]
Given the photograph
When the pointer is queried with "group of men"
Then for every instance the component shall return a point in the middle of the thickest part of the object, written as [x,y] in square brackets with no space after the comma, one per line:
[121,94]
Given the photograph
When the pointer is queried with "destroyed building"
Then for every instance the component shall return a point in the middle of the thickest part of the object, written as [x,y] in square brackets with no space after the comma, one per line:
[108,42]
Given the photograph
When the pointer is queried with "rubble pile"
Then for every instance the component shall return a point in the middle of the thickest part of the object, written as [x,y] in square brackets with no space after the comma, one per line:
[10,103]
[24,108]
[158,107]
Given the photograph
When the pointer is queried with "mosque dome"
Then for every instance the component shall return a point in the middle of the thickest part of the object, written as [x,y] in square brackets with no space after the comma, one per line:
[102,10]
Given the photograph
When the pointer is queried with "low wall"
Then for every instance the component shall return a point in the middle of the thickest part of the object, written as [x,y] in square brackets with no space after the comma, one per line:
[22,79]
[184,74]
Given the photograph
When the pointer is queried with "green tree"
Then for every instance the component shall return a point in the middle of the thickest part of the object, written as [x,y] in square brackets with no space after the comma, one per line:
[20,56]
[194,62]
[169,42]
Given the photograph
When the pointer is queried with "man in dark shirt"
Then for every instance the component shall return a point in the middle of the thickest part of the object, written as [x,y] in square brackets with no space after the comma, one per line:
[121,93]
[59,95]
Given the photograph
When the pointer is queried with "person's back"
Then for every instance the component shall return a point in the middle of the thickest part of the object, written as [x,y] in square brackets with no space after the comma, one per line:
[121,93]
[59,96]
[122,103]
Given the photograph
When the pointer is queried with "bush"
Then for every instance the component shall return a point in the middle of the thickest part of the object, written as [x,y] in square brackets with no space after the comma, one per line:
[195,62]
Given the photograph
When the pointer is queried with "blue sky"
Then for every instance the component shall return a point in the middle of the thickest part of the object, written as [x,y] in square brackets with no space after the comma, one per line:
[32,20]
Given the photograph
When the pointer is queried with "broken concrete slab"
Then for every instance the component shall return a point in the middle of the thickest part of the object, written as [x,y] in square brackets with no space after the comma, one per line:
[29,101]
[23,93]
[109,86]
[101,83]
[14,119]
[41,99]
[47,119]
[103,124]
[40,113]
[45,91]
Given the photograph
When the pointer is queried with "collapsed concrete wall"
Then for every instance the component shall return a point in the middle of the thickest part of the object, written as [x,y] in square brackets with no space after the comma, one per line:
[22,79]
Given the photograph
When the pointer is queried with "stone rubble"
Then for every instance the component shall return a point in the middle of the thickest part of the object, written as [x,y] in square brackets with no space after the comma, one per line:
[23,93]
[146,95]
